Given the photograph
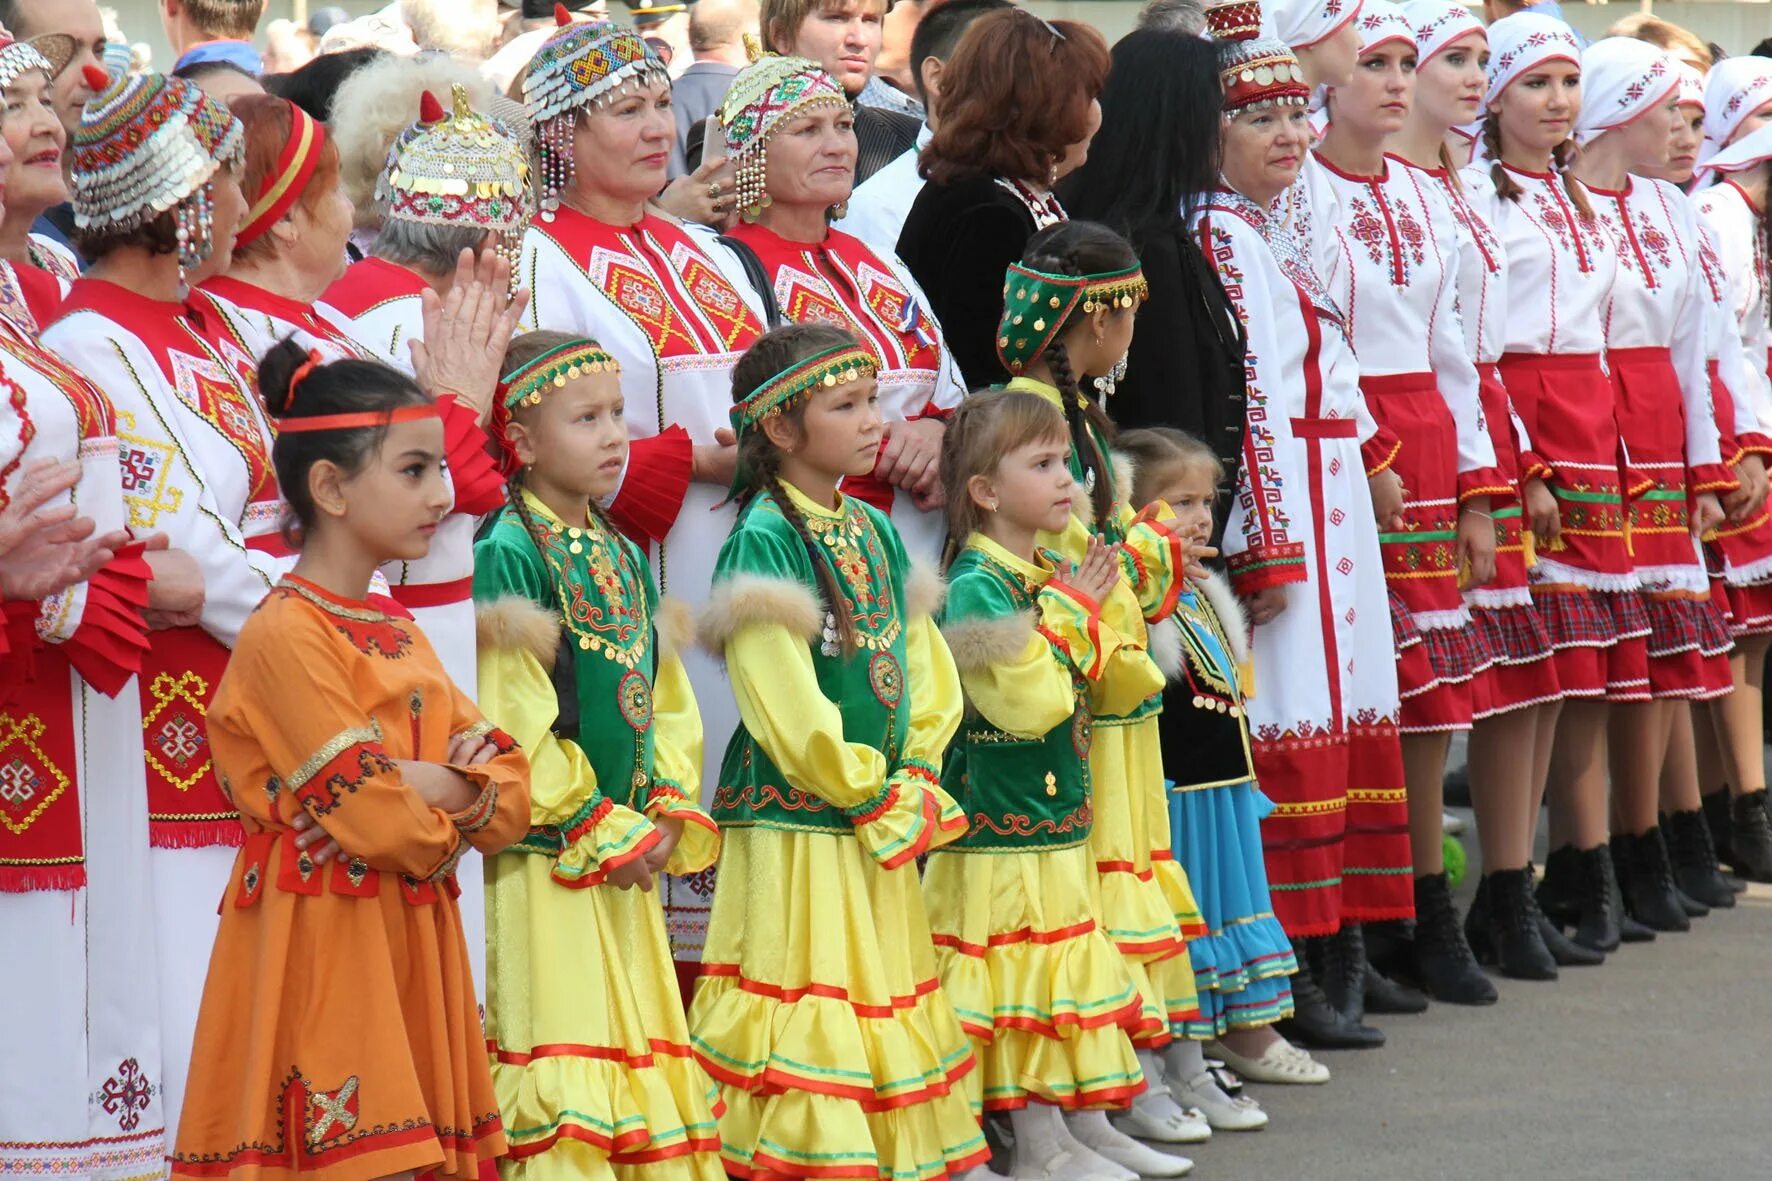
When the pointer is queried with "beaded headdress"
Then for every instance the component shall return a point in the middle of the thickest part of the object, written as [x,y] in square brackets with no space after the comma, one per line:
[148,144]
[1257,72]
[764,95]
[17,57]
[526,384]
[1036,305]
[827,369]
[580,67]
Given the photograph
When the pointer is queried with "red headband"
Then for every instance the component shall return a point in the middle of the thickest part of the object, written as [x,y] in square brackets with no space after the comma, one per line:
[348,422]
[283,186]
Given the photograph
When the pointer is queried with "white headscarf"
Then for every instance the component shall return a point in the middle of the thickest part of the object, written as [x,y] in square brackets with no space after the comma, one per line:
[1520,43]
[1622,79]
[1437,24]
[1753,148]
[1691,85]
[1303,23]
[1381,21]
[1735,89]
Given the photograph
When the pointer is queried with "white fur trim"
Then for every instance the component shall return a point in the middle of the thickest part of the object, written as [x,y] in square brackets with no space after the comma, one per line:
[675,623]
[517,624]
[979,644]
[925,590]
[1165,648]
[750,598]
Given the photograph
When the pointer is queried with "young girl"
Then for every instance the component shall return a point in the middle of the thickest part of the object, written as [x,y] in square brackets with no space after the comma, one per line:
[1243,964]
[338,1034]
[1067,322]
[1042,991]
[590,1049]
[819,1011]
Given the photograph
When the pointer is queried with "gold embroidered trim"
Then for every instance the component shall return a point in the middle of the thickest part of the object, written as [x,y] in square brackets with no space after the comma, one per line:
[360,614]
[337,745]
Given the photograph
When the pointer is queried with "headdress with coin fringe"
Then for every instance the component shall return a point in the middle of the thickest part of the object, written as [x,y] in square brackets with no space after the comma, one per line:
[528,383]
[579,68]
[1037,304]
[764,95]
[826,369]
[148,144]
[18,57]
[1257,72]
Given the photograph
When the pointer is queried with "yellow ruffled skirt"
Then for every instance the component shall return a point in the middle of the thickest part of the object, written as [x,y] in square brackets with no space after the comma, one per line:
[591,1059]
[1045,997]
[820,1014]
[1144,901]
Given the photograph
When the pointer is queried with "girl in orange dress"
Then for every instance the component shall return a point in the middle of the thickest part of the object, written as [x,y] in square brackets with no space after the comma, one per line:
[338,1035]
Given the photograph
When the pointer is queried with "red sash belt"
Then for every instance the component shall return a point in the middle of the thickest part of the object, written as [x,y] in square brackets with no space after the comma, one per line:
[1325,428]
[413,595]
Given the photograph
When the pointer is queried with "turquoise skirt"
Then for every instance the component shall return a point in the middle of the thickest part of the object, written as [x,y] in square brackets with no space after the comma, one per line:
[1243,965]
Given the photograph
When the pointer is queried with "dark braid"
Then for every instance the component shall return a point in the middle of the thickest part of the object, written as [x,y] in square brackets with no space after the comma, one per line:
[1451,171]
[760,459]
[1505,186]
[1076,413]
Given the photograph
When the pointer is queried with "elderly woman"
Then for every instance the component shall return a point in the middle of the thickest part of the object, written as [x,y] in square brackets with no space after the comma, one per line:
[790,128]
[75,898]
[1325,722]
[40,268]
[156,200]
[1018,109]
[670,306]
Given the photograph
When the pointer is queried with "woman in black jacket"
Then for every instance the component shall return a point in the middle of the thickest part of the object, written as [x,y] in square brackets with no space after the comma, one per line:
[1156,153]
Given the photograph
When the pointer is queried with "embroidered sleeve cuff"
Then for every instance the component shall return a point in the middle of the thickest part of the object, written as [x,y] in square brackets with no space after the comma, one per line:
[1255,570]
[653,488]
[1534,466]
[1160,555]
[1488,481]
[1754,443]
[478,487]
[908,816]
[1636,483]
[108,645]
[1711,477]
[1071,622]
[1380,451]
[699,846]
[603,836]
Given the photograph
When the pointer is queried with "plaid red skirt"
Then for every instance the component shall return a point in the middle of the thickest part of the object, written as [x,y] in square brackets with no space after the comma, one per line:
[1523,671]
[1435,669]
[1599,640]
[1688,646]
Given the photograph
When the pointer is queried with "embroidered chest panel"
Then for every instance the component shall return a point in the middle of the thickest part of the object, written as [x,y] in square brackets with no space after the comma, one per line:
[1476,231]
[370,632]
[852,547]
[677,296]
[1389,232]
[212,391]
[1644,248]
[893,322]
[1575,233]
[602,594]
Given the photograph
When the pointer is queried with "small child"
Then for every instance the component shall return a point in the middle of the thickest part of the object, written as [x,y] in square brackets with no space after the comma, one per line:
[338,1035]
[1243,964]
[585,1024]
[1038,985]
[819,1009]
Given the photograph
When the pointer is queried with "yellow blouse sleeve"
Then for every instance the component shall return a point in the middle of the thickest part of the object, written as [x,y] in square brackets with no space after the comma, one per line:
[676,768]
[1026,696]
[1155,559]
[566,806]
[1128,675]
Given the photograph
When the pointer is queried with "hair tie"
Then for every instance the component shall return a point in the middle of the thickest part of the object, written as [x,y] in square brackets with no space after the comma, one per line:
[301,374]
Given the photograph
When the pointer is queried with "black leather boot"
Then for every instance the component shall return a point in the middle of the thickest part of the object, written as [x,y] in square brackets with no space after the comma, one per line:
[1647,879]
[1441,959]
[1567,952]
[1503,927]
[1580,891]
[1315,1022]
[1346,971]
[1385,995]
[1715,807]
[1695,859]
[1750,837]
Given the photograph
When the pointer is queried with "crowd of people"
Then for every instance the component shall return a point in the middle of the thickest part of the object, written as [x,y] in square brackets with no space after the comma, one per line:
[796,619]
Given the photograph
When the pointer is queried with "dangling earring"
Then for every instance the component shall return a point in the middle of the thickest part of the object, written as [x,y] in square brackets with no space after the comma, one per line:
[839,211]
[1107,383]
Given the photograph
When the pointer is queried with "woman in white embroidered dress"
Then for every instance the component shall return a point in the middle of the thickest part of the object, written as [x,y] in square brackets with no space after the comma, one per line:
[35,275]
[1301,550]
[674,309]
[1515,700]
[1398,282]
[1561,266]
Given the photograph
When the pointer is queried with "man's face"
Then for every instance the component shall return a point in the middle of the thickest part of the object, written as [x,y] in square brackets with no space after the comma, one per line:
[80,20]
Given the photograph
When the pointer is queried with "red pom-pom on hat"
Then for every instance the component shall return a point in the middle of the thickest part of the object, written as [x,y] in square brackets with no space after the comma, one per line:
[96,77]
[429,109]
[561,16]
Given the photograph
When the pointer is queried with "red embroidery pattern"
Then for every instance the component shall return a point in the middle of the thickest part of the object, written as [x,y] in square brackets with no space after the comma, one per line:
[126,1094]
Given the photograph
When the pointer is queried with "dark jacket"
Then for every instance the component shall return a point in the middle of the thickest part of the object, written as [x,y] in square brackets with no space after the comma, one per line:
[881,137]
[958,241]
[1186,367]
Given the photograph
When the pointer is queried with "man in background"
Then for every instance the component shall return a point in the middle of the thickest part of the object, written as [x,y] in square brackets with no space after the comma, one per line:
[213,30]
[716,38]
[79,22]
[894,84]
[878,208]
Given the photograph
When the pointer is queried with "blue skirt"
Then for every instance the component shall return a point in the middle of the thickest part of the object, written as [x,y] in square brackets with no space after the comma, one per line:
[1243,965]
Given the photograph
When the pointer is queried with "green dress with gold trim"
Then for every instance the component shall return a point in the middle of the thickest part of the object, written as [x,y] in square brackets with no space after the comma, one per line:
[819,1010]
[590,1050]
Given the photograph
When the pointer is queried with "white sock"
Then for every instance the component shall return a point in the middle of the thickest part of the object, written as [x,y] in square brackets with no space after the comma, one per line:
[1041,1139]
[1093,1129]
[1185,1059]
[1155,1100]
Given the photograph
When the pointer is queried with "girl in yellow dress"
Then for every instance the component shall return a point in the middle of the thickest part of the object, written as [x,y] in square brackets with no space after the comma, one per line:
[585,1024]
[1038,985]
[819,1009]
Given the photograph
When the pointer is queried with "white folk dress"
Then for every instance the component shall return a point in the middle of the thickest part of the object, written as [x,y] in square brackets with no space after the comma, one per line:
[1398,283]
[81,1065]
[1655,349]
[1561,265]
[196,461]
[1324,734]
[677,312]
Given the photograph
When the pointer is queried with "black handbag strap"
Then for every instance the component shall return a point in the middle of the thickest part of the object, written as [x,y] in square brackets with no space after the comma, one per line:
[753,269]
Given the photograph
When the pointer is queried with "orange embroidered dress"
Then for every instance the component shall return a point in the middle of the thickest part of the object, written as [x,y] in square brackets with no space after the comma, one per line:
[338,1035]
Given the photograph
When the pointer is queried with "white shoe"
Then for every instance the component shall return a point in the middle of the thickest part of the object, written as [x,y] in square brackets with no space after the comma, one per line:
[1069,1166]
[1155,1115]
[1224,1112]
[1099,1137]
[982,1173]
[1284,1063]
[1452,824]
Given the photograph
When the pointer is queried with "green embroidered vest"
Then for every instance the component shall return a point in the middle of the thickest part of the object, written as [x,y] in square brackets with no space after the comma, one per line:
[1019,794]
[867,685]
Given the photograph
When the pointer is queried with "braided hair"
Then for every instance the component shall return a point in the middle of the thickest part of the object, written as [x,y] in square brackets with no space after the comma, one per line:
[759,459]
[1081,248]
[1505,185]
